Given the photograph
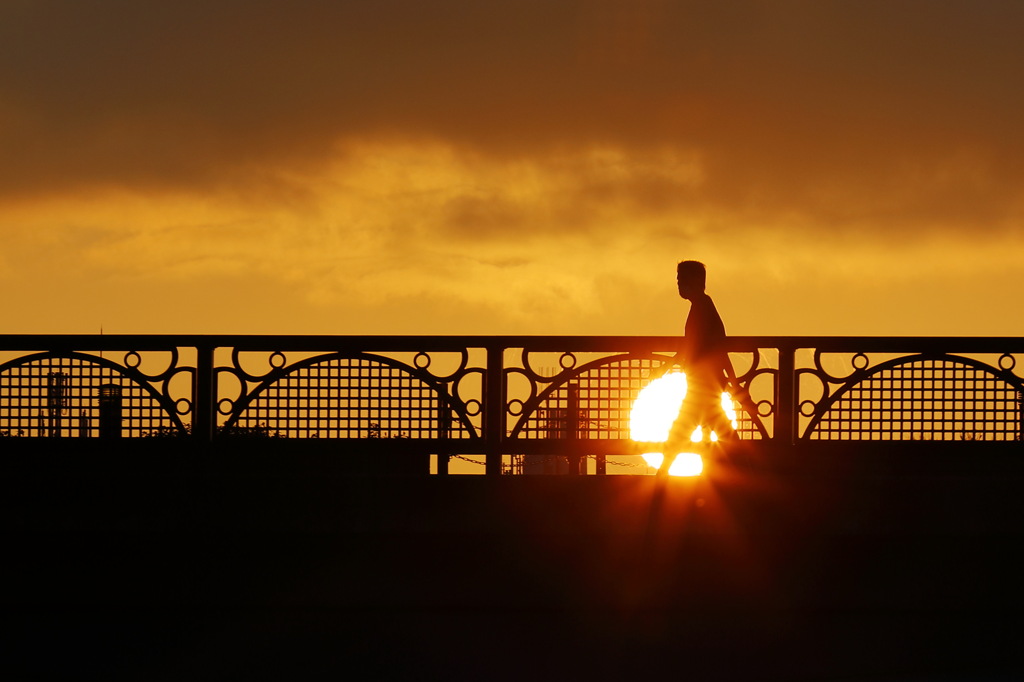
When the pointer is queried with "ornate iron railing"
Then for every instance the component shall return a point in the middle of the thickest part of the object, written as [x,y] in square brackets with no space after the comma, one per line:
[496,396]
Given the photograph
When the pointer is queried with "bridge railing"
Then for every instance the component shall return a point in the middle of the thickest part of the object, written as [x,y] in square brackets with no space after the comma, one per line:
[495,395]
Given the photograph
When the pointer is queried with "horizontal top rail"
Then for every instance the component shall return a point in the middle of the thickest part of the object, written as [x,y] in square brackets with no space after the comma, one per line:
[895,344]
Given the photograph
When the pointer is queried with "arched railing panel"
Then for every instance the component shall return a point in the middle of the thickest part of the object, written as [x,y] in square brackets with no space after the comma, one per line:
[594,401]
[925,397]
[502,395]
[353,395]
[72,394]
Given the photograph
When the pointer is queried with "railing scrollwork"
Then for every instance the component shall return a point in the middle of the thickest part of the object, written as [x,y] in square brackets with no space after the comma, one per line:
[496,396]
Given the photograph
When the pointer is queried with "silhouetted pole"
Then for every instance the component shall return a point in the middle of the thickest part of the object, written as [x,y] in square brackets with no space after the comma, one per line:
[110,411]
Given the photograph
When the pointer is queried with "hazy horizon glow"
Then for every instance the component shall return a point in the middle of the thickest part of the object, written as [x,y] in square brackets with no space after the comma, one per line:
[514,168]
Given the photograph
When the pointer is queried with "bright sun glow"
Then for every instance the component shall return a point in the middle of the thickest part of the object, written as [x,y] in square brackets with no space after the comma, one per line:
[656,408]
[685,463]
[652,416]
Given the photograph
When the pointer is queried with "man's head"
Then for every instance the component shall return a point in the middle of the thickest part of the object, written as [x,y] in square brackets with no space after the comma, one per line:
[690,277]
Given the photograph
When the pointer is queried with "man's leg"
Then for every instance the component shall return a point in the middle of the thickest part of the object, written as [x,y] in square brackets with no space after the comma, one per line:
[690,417]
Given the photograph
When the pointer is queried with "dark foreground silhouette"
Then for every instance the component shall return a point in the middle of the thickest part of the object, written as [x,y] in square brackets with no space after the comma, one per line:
[166,565]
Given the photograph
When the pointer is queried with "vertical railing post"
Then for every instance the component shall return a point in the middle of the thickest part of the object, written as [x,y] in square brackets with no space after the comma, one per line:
[494,409]
[786,408]
[204,403]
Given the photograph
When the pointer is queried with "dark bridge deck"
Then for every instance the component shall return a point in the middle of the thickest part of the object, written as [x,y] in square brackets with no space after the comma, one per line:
[214,567]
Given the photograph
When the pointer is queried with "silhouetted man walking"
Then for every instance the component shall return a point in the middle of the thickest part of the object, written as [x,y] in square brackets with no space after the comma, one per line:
[706,363]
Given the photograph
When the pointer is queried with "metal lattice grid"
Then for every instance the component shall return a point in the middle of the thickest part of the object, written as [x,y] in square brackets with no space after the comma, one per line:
[351,398]
[71,396]
[925,400]
[604,399]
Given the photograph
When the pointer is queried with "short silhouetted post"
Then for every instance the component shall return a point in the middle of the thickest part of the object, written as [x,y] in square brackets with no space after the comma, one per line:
[56,397]
[110,411]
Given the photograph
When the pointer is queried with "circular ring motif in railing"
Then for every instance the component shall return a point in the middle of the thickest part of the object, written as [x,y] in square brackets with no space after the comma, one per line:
[473,407]
[132,359]
[1007,362]
[225,406]
[859,361]
[277,359]
[765,408]
[807,408]
[421,361]
[567,361]
[514,407]
[182,405]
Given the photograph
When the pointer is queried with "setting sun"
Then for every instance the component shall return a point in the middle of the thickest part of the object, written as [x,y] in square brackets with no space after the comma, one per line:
[651,420]
[654,412]
[656,408]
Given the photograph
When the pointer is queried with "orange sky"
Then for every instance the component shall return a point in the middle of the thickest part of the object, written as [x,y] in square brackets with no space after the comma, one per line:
[406,167]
